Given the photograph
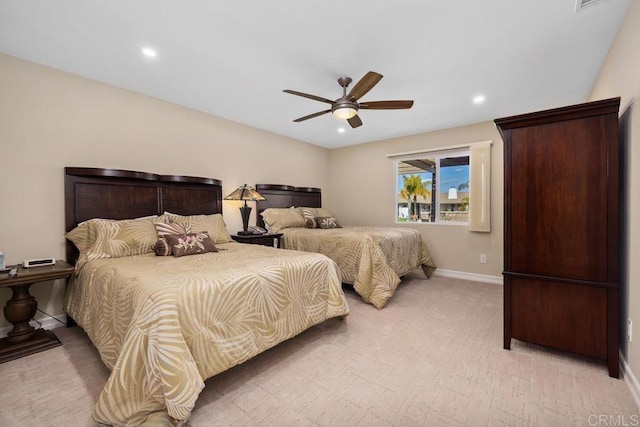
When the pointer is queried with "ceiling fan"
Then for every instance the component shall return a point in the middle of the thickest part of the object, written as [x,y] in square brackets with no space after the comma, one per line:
[347,106]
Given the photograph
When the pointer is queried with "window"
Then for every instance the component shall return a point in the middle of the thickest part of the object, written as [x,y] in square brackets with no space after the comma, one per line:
[445,185]
[433,188]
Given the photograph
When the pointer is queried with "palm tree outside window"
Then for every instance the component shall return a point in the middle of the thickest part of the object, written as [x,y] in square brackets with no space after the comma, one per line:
[413,187]
[433,189]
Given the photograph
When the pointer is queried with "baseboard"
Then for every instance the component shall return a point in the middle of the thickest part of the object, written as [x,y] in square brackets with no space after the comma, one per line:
[631,381]
[469,276]
[46,323]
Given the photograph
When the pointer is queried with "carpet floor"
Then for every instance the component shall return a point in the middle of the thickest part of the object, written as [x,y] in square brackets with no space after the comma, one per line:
[432,357]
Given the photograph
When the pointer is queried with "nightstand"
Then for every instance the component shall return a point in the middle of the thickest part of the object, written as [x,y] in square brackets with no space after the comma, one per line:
[271,239]
[24,339]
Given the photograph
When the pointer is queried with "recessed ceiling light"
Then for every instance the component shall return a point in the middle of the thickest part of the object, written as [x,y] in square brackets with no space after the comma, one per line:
[151,53]
[478,99]
[340,130]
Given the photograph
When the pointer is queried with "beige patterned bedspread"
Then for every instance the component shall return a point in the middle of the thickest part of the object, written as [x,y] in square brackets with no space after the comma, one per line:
[163,324]
[369,258]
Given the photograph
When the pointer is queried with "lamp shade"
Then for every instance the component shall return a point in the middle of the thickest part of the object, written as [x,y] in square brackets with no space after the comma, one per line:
[245,192]
[344,112]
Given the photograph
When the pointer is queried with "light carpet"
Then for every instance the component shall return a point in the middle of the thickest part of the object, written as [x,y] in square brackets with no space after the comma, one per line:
[432,357]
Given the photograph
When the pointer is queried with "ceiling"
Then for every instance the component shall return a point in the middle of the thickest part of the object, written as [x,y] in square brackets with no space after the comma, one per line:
[232,59]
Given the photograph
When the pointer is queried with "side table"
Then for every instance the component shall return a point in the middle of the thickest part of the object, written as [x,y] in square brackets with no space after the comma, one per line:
[24,339]
[270,239]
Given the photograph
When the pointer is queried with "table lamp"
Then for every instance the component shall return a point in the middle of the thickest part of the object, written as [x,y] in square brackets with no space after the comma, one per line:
[245,192]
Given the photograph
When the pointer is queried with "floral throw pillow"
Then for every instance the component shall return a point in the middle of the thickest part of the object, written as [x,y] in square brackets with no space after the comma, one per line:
[162,247]
[190,244]
[327,222]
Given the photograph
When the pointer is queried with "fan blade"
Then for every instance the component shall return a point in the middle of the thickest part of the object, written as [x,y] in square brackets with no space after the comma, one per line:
[306,95]
[311,116]
[364,85]
[385,105]
[355,121]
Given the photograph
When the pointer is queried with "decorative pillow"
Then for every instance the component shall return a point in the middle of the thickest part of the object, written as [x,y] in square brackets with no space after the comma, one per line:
[172,228]
[114,239]
[190,244]
[212,224]
[80,236]
[277,219]
[273,213]
[309,215]
[327,222]
[107,238]
[162,247]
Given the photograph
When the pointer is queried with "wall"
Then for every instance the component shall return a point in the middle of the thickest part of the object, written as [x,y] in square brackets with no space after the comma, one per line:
[620,76]
[50,119]
[362,191]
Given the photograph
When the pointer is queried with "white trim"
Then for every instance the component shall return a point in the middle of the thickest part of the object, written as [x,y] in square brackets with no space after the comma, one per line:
[46,322]
[496,280]
[436,149]
[631,381]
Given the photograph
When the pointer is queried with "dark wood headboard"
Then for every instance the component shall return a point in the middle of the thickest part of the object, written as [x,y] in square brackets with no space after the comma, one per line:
[121,194]
[284,196]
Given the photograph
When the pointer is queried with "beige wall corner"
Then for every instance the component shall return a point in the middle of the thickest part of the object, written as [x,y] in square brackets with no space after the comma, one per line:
[620,76]
[362,192]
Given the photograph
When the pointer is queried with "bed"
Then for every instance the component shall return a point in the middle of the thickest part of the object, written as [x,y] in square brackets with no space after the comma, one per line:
[371,259]
[164,324]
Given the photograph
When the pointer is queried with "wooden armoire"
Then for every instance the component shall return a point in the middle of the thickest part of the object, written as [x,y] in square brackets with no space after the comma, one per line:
[562,229]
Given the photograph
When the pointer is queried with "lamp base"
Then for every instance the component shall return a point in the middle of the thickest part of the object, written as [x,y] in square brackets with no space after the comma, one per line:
[245,211]
[243,233]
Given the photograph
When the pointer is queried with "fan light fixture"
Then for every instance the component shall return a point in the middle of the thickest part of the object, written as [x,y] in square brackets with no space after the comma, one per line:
[346,107]
[344,112]
[245,192]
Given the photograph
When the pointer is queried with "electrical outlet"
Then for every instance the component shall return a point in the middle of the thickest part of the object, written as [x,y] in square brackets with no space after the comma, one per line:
[629,329]
[483,259]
